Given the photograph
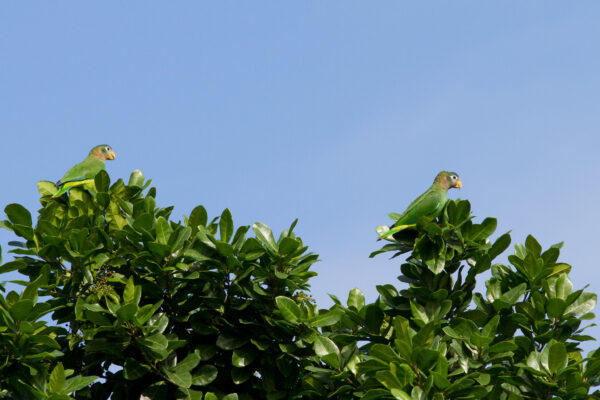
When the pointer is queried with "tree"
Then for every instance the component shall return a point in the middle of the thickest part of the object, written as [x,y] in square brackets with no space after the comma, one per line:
[437,339]
[123,302]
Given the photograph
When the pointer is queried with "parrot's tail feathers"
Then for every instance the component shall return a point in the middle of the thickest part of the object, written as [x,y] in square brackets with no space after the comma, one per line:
[62,189]
[385,233]
[59,193]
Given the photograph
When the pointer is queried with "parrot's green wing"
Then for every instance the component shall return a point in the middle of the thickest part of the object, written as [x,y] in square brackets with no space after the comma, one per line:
[429,203]
[65,188]
[87,169]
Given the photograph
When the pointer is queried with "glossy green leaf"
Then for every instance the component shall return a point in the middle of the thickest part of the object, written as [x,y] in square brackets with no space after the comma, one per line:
[179,237]
[180,378]
[513,295]
[103,199]
[205,375]
[326,318]
[419,312]
[226,226]
[225,249]
[424,337]
[21,309]
[133,369]
[156,391]
[12,266]
[327,350]
[265,236]
[205,237]
[499,246]
[129,291]
[533,246]
[388,379]
[163,230]
[93,307]
[196,255]
[520,251]
[289,309]
[242,358]
[97,318]
[206,351]
[240,375]
[146,312]
[46,188]
[57,378]
[188,363]
[288,246]
[485,229]
[426,358]
[17,214]
[136,178]
[42,339]
[400,394]
[559,269]
[159,250]
[77,383]
[356,299]
[156,344]
[503,347]
[489,330]
[198,216]
[557,357]
[226,342]
[383,352]
[559,287]
[102,181]
[584,304]
[127,312]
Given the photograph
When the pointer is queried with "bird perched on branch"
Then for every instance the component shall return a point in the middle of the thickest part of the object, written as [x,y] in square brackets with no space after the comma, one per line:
[84,172]
[429,204]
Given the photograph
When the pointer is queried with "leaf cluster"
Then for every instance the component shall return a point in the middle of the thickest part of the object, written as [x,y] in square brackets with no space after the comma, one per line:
[120,301]
[146,307]
[438,339]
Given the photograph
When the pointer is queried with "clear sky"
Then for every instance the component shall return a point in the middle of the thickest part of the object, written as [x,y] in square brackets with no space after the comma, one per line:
[333,112]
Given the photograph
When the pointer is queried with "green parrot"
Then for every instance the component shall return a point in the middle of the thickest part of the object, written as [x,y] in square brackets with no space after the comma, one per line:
[429,204]
[84,172]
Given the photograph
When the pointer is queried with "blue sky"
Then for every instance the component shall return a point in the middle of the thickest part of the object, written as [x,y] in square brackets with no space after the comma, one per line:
[335,113]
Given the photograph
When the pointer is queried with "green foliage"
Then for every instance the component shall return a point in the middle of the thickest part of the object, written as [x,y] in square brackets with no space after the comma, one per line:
[156,308]
[438,339]
[137,305]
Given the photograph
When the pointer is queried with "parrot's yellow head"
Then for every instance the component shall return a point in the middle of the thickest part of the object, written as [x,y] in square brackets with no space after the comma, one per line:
[103,152]
[449,179]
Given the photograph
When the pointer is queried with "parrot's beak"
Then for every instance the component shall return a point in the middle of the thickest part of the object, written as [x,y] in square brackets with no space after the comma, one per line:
[458,184]
[111,156]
